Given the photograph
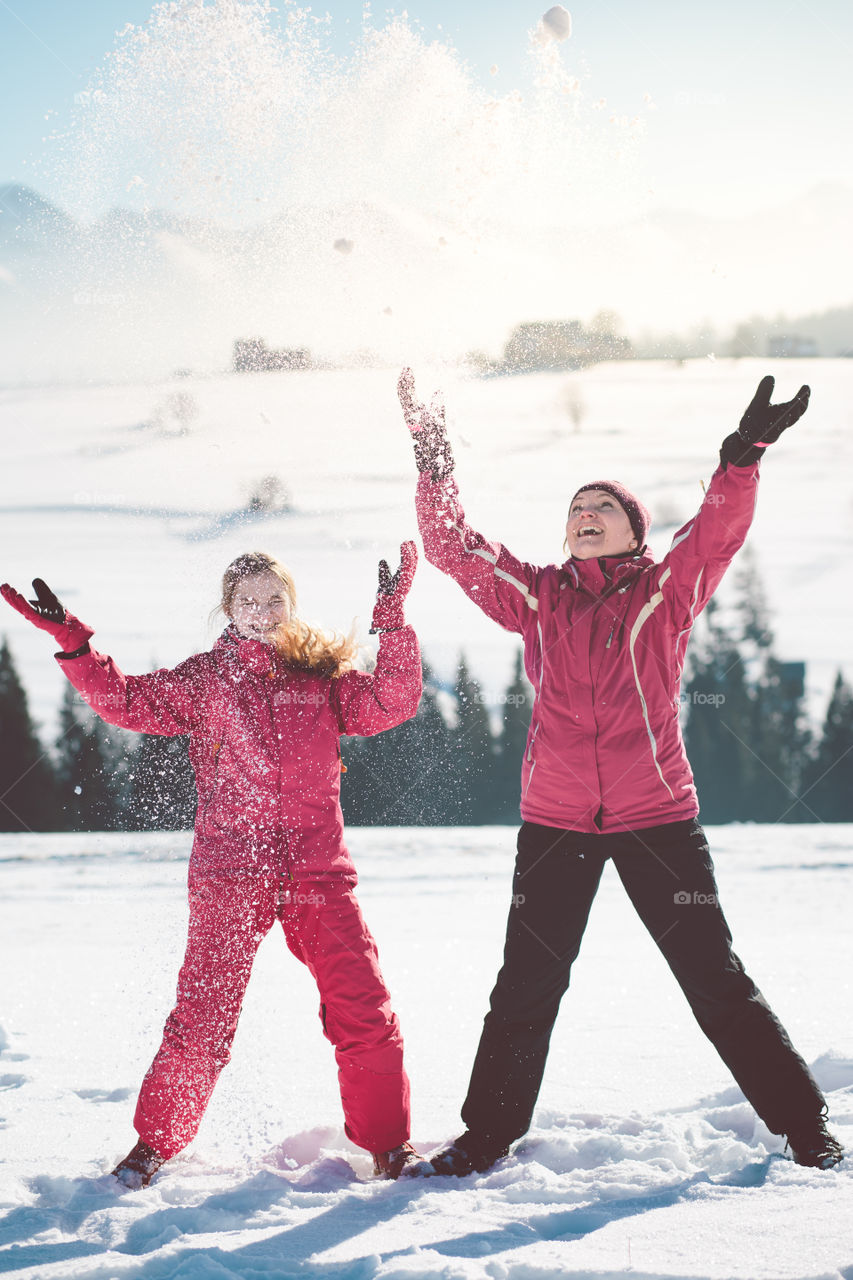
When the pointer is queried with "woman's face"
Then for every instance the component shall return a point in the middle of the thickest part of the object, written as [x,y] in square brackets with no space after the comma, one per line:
[260,604]
[598,526]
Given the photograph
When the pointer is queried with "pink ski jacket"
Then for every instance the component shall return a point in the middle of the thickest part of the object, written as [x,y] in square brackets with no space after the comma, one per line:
[604,647]
[264,744]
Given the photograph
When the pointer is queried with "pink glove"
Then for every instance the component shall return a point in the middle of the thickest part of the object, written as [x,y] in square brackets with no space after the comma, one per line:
[46,613]
[393,589]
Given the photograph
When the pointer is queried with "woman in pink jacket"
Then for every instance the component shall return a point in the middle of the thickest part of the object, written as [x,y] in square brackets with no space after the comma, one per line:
[605,775]
[264,711]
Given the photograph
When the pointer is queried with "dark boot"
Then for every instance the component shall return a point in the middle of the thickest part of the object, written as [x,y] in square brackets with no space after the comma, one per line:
[138,1166]
[813,1146]
[468,1154]
[399,1162]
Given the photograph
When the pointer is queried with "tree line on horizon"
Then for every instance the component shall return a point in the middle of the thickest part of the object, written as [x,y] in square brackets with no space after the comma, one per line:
[458,761]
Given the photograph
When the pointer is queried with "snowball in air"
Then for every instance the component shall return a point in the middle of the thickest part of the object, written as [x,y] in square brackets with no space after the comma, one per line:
[344,246]
[556,24]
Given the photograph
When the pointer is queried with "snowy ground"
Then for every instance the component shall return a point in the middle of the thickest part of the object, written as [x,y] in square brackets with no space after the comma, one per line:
[643,1160]
[133,524]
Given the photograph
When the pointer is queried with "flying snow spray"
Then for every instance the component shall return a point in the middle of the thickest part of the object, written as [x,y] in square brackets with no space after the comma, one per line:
[230,178]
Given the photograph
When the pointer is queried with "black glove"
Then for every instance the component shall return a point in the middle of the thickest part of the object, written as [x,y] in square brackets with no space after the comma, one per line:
[762,424]
[46,604]
[429,433]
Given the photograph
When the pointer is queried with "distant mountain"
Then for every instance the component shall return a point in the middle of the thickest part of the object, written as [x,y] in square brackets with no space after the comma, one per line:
[776,263]
[830,330]
[27,220]
[139,293]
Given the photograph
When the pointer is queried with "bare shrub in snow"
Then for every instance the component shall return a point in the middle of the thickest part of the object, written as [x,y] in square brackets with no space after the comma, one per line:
[268,494]
[574,404]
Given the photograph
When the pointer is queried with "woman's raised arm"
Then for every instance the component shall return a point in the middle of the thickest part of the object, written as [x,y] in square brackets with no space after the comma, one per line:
[703,548]
[503,586]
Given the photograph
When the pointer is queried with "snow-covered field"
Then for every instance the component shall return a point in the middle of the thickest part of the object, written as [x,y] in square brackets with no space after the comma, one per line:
[643,1157]
[643,1160]
[132,523]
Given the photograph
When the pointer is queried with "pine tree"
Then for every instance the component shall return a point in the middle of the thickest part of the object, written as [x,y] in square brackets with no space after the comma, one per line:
[362,797]
[27,783]
[747,737]
[828,789]
[720,724]
[517,708]
[756,633]
[780,742]
[402,776]
[374,787]
[426,787]
[91,767]
[473,748]
[779,736]
[161,787]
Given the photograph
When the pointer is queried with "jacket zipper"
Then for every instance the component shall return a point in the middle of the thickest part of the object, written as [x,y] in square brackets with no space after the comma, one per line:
[287,866]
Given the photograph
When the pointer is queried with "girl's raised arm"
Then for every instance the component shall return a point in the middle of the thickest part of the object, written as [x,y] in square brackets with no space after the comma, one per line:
[163,702]
[367,703]
[46,613]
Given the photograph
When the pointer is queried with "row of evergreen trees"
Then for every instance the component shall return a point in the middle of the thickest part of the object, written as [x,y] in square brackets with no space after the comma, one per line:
[97,777]
[753,751]
[458,761]
[447,766]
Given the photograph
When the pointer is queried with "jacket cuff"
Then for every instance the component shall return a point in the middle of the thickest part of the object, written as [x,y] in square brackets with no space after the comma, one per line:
[78,653]
[735,452]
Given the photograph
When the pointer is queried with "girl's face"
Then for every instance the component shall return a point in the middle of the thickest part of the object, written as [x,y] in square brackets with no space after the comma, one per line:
[598,526]
[260,604]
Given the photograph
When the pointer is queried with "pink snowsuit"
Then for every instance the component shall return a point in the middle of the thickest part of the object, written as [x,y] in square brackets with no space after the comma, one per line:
[268,844]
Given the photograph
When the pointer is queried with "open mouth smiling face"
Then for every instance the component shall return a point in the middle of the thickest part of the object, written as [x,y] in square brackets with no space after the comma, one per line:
[598,526]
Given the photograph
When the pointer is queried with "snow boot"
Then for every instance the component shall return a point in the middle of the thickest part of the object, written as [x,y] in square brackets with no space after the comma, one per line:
[468,1154]
[399,1162]
[138,1166]
[813,1146]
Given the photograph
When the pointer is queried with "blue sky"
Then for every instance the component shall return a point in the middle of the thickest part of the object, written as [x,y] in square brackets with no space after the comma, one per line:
[752,99]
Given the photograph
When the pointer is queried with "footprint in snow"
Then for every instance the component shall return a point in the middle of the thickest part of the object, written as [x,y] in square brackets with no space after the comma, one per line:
[12,1081]
[327,1174]
[4,1049]
[105,1095]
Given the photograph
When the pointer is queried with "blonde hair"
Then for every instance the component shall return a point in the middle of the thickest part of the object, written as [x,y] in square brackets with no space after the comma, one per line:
[300,645]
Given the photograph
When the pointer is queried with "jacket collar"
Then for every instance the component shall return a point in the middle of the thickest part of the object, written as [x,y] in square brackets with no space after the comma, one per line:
[253,654]
[604,574]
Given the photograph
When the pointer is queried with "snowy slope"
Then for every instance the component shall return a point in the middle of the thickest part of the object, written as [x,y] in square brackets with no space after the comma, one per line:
[133,523]
[643,1158]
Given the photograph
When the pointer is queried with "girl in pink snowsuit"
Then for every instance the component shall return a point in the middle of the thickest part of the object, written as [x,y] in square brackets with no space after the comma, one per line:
[264,710]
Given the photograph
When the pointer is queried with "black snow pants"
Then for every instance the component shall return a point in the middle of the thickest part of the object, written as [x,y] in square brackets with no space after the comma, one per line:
[668,875]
